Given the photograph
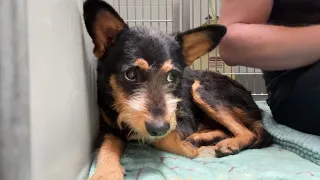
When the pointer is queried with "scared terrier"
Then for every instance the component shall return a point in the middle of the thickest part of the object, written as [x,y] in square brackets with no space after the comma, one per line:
[147,92]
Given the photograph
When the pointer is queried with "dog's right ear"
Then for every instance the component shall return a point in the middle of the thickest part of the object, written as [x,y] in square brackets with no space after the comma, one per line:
[103,24]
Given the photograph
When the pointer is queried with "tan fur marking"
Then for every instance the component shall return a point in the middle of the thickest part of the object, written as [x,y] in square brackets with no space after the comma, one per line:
[242,116]
[118,94]
[173,143]
[240,113]
[142,64]
[106,27]
[255,125]
[170,115]
[195,45]
[263,138]
[108,160]
[134,112]
[167,66]
[243,136]
[207,135]
[134,118]
[135,121]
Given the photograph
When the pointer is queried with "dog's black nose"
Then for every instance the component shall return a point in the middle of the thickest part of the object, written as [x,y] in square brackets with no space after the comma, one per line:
[157,128]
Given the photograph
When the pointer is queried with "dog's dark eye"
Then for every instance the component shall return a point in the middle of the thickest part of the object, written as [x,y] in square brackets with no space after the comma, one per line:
[170,77]
[173,76]
[131,74]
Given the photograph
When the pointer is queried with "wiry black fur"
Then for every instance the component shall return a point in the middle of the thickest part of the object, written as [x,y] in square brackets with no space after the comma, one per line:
[132,44]
[156,48]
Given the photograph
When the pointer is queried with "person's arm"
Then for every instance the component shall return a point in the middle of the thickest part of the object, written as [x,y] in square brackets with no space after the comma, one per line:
[250,42]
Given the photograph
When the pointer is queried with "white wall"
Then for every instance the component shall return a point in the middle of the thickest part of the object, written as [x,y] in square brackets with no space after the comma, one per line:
[62,89]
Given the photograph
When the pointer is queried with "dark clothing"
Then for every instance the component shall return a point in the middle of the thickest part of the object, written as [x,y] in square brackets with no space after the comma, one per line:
[294,95]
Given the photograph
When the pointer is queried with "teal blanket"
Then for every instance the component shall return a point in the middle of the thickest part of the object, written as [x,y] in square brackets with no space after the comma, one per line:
[294,157]
[305,145]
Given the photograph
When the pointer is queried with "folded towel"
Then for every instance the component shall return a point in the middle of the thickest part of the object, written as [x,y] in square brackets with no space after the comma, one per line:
[305,145]
[143,162]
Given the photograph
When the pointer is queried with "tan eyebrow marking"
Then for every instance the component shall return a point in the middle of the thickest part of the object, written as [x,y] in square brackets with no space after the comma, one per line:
[167,66]
[143,64]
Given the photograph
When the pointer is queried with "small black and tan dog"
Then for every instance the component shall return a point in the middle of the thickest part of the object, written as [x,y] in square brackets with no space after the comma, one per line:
[146,92]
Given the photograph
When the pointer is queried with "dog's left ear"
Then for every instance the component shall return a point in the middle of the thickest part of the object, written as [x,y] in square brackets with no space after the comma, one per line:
[199,41]
[103,24]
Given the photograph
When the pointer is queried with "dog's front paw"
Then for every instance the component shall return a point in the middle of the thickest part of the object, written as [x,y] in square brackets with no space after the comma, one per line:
[189,150]
[227,147]
[109,174]
[194,141]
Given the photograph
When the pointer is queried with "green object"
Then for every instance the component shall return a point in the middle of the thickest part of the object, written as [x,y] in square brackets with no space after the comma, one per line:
[143,162]
[305,145]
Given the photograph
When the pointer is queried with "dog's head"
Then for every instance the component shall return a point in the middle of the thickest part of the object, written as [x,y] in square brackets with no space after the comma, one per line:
[142,67]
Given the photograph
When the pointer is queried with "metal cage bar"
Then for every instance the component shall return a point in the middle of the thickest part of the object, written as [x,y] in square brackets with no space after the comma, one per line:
[176,23]
[15,162]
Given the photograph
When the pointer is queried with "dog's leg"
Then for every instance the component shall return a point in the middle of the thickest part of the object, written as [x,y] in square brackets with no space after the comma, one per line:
[174,144]
[243,137]
[108,160]
[207,137]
